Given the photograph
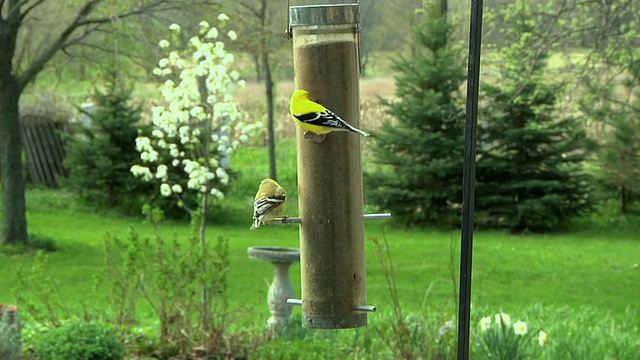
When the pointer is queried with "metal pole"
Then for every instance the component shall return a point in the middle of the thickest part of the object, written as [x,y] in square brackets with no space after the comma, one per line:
[468,183]
[326,63]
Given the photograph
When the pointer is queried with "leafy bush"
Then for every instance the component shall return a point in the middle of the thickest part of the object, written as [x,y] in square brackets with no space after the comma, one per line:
[80,341]
[185,285]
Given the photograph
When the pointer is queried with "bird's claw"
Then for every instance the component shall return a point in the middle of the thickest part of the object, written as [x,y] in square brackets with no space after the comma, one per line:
[318,138]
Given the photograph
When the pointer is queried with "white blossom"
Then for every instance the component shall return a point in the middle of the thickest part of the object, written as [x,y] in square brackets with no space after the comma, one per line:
[161,172]
[503,318]
[187,106]
[157,133]
[222,175]
[165,189]
[485,322]
[212,34]
[542,338]
[520,327]
[142,143]
[141,172]
[216,193]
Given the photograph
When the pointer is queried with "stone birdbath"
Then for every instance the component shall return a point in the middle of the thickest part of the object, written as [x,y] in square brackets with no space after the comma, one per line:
[280,289]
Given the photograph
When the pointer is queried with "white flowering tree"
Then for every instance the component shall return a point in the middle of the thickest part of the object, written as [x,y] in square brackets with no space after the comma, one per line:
[196,128]
[199,125]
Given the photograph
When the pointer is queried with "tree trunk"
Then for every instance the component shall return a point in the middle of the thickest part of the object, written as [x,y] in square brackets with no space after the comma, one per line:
[268,81]
[444,7]
[269,85]
[14,224]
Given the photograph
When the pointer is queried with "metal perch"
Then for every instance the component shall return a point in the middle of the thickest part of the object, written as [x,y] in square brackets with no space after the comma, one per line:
[296,220]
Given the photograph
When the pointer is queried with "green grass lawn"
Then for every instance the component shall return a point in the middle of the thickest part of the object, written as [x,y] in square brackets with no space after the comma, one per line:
[588,273]
[595,267]
[584,268]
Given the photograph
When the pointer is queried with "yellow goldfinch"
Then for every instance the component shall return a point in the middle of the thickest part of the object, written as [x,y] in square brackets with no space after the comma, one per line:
[269,202]
[316,118]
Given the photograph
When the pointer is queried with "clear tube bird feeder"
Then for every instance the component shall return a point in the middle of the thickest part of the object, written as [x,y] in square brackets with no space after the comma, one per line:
[326,63]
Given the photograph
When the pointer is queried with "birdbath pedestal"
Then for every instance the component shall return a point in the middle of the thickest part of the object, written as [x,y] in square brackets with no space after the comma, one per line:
[280,289]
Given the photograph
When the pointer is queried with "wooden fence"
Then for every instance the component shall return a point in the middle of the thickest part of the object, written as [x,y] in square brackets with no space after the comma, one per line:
[43,147]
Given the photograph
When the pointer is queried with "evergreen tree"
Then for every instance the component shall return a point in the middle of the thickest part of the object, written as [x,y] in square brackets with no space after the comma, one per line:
[99,156]
[619,161]
[612,101]
[418,157]
[530,166]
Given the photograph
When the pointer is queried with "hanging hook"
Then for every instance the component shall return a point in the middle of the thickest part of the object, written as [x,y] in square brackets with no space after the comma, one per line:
[288,32]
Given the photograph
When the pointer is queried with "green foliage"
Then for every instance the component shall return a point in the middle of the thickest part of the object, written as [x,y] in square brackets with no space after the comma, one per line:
[10,327]
[49,309]
[184,285]
[419,156]
[418,335]
[41,242]
[325,345]
[34,243]
[530,171]
[99,157]
[619,161]
[611,103]
[569,333]
[588,334]
[500,339]
[80,341]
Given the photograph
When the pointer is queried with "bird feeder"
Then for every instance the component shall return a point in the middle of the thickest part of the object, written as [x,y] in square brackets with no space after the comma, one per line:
[326,63]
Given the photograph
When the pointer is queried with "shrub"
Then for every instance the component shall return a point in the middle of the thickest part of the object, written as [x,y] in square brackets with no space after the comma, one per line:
[80,341]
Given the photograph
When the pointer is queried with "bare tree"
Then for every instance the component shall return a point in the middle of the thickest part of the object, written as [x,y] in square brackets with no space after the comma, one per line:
[264,39]
[92,16]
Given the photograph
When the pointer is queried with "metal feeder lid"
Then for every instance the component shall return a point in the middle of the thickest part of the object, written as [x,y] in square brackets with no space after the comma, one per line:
[338,14]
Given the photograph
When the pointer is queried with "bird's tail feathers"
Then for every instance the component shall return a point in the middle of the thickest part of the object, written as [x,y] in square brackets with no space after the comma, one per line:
[356,130]
[255,225]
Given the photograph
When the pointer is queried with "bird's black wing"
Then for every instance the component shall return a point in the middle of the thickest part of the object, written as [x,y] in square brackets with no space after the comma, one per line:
[327,118]
[262,206]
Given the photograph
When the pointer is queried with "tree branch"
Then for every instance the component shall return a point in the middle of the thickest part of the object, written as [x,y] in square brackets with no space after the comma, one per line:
[14,8]
[90,25]
[38,64]
[31,7]
[250,8]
